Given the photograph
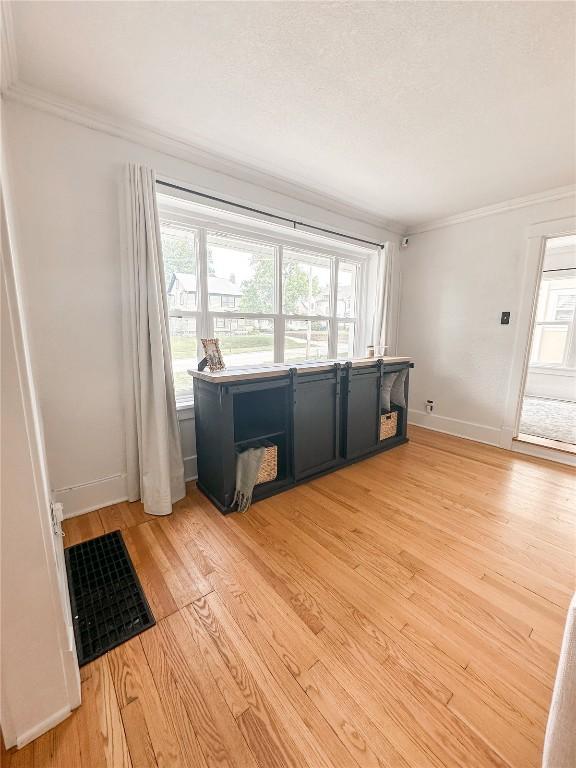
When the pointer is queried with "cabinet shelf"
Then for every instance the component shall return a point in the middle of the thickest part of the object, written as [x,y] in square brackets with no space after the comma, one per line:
[260,414]
[257,438]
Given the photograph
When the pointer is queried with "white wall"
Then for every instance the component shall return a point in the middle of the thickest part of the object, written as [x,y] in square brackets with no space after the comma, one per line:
[456,280]
[556,384]
[38,667]
[65,180]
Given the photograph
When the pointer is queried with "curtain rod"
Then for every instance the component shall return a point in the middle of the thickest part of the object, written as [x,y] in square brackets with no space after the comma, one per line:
[294,222]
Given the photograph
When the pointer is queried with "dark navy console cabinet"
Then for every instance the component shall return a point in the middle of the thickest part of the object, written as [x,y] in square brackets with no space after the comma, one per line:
[320,417]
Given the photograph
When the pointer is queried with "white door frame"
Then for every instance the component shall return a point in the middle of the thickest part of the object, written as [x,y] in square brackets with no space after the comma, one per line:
[537,234]
[65,686]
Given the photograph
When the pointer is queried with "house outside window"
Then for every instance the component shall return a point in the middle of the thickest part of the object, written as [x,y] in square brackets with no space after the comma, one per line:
[269,296]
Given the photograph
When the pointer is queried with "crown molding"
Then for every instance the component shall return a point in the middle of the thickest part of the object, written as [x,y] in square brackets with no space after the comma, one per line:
[558,193]
[184,150]
[174,146]
[9,62]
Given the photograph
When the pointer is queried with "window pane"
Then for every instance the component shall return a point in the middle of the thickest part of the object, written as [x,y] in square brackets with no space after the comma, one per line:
[180,266]
[557,298]
[566,306]
[346,298]
[305,284]
[305,340]
[345,347]
[185,352]
[240,274]
[549,345]
[245,341]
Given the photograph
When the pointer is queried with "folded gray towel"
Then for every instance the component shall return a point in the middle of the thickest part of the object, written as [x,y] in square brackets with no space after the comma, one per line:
[248,465]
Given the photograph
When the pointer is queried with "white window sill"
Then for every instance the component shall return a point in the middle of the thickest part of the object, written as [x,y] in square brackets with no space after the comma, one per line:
[555,370]
[185,408]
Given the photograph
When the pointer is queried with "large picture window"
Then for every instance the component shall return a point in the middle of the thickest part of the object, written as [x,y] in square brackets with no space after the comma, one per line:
[267,298]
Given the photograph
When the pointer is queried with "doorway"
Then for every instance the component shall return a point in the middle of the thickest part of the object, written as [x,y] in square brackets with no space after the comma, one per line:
[548,408]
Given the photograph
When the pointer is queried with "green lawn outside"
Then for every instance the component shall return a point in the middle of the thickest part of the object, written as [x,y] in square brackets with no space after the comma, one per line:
[185,346]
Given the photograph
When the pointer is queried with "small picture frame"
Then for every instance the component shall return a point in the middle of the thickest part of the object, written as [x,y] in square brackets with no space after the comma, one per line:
[213,354]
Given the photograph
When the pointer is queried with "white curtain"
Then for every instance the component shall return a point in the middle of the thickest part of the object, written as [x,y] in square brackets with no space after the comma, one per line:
[382,324]
[154,455]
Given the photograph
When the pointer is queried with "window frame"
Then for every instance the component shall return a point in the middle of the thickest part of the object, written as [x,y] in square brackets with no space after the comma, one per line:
[569,361]
[179,213]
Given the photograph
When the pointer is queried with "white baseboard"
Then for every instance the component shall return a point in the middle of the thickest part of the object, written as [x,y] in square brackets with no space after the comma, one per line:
[506,437]
[40,728]
[87,497]
[96,494]
[480,433]
[79,499]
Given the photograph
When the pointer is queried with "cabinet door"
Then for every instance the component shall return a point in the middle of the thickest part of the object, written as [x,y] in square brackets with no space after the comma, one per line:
[316,423]
[363,413]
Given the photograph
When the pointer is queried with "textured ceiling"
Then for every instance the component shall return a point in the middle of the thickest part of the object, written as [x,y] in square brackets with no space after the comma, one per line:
[409,110]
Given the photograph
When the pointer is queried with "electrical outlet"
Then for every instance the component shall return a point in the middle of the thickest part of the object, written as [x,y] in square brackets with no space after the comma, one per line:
[429,406]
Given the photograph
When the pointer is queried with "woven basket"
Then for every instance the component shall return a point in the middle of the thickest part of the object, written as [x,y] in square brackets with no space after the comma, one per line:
[269,467]
[388,425]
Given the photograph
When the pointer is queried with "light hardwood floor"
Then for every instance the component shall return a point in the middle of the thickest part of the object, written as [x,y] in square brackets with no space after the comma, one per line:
[404,611]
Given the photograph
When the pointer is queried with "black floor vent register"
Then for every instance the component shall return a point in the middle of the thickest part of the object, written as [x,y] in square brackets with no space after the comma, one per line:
[108,604]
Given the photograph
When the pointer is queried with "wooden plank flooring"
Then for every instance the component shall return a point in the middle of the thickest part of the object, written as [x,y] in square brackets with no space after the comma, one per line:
[404,611]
